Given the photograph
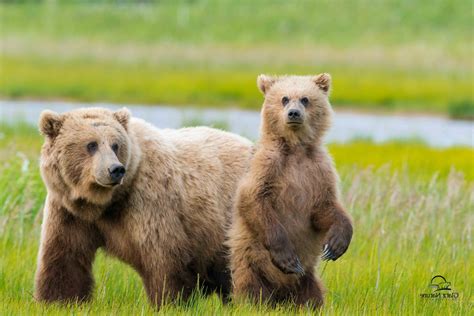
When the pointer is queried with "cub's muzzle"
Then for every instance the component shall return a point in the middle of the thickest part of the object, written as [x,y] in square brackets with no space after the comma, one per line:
[294,117]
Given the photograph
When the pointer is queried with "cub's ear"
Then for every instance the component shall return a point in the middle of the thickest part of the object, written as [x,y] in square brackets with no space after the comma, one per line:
[265,82]
[323,81]
[50,123]
[123,117]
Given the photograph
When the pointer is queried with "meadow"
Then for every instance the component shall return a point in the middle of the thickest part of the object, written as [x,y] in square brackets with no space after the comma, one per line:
[386,56]
[412,206]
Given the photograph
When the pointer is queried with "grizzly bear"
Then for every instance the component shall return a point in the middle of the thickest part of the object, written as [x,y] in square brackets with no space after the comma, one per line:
[287,205]
[159,200]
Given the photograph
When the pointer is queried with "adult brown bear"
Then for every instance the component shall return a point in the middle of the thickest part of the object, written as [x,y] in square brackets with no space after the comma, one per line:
[159,200]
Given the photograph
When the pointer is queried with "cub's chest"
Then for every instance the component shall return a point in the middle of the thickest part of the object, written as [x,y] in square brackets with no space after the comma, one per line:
[297,170]
[302,182]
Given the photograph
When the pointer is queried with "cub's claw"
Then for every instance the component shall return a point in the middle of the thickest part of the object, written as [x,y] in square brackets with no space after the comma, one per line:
[326,253]
[287,262]
[337,244]
[299,268]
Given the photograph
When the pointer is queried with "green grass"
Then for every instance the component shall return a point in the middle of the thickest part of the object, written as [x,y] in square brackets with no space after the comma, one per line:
[412,207]
[335,22]
[184,85]
[462,109]
[388,55]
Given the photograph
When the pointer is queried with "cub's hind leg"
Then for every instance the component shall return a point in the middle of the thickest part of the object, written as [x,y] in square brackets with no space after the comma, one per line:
[309,291]
[250,284]
[247,262]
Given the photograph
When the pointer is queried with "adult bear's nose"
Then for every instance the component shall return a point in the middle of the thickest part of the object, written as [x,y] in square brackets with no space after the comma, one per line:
[116,171]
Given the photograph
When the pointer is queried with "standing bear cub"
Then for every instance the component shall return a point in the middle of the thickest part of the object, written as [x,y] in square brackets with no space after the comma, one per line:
[287,210]
[159,200]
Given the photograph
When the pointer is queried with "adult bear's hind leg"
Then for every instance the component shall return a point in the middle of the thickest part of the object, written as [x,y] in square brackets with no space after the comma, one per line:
[168,282]
[218,278]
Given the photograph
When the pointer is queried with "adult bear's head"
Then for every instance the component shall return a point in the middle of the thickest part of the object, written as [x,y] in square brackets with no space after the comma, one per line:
[86,152]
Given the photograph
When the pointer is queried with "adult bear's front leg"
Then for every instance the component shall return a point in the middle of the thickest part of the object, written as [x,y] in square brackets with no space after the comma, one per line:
[67,250]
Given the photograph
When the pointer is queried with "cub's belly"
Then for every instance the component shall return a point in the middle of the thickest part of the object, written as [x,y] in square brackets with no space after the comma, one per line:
[307,242]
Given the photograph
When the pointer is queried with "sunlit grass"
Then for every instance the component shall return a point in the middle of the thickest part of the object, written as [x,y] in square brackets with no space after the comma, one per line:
[337,22]
[374,89]
[389,55]
[414,159]
[412,207]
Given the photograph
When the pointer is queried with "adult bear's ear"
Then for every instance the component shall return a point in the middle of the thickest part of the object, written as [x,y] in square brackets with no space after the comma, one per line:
[265,82]
[323,81]
[50,123]
[123,117]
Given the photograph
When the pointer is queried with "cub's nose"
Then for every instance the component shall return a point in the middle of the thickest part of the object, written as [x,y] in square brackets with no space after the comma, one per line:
[294,115]
[116,171]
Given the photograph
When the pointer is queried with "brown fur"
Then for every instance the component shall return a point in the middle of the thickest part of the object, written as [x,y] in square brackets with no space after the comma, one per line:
[287,205]
[167,219]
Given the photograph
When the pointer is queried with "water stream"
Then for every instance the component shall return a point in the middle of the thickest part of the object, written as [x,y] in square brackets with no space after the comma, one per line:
[435,131]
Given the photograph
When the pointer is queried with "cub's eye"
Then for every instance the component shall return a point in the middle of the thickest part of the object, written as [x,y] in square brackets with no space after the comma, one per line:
[285,100]
[115,147]
[304,101]
[92,147]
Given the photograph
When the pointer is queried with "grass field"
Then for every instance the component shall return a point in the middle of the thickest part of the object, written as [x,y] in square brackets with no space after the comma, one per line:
[412,207]
[385,55]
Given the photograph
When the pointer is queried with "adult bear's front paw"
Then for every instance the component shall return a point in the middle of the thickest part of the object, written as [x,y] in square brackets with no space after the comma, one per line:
[287,261]
[337,242]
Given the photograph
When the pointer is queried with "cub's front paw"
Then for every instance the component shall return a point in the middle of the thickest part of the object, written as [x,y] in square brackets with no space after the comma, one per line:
[337,243]
[287,261]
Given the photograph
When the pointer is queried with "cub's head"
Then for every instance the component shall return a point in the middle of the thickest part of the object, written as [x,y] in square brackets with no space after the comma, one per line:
[86,152]
[296,107]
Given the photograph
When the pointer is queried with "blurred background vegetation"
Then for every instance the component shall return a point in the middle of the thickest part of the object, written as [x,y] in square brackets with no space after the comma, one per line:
[390,56]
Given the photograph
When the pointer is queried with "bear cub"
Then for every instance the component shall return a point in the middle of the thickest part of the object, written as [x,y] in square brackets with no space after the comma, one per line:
[287,212]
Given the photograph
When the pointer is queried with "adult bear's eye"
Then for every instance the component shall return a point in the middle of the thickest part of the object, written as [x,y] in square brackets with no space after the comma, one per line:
[115,147]
[304,101]
[285,100]
[92,147]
